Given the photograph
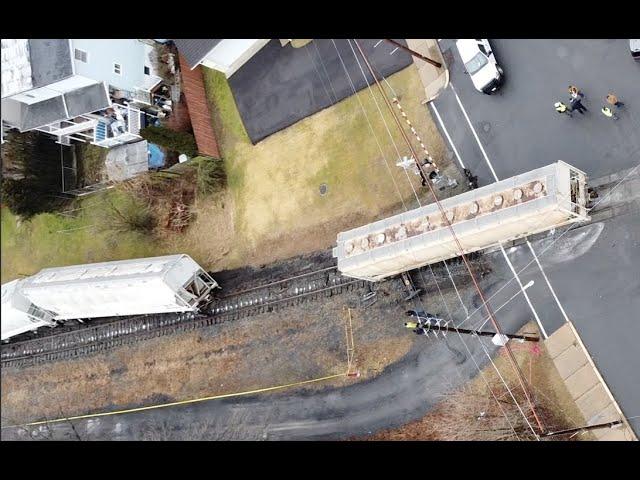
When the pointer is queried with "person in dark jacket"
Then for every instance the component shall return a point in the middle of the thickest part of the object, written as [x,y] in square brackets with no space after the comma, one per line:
[576,104]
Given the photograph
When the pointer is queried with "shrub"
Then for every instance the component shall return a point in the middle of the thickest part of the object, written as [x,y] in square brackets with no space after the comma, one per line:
[212,177]
[37,159]
[129,215]
[181,142]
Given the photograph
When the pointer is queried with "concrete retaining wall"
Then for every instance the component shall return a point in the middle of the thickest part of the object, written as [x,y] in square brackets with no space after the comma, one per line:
[585,384]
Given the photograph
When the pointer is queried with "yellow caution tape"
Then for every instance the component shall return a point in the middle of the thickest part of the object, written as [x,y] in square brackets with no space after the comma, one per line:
[182,402]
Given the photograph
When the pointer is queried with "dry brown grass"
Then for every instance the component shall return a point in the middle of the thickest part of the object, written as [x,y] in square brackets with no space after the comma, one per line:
[471,412]
[278,211]
[237,358]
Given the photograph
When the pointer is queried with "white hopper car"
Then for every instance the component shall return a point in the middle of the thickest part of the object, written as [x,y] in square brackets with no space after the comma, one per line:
[532,202]
[172,283]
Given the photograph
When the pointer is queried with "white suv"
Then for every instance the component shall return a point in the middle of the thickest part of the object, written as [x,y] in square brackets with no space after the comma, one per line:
[480,63]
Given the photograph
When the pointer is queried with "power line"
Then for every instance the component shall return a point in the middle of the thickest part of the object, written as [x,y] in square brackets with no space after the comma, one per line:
[375,101]
[544,250]
[370,125]
[419,203]
[460,249]
[414,53]
[315,44]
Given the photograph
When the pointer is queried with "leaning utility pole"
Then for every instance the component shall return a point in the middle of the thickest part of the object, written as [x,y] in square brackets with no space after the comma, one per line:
[585,428]
[487,306]
[437,327]
[414,53]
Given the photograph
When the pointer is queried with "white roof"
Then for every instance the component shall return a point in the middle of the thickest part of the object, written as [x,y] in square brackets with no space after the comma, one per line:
[127,287]
[520,205]
[467,47]
[16,66]
[14,320]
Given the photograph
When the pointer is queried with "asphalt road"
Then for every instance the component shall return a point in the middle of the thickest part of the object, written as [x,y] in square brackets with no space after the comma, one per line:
[518,130]
[593,269]
[518,126]
[408,389]
[405,391]
[280,86]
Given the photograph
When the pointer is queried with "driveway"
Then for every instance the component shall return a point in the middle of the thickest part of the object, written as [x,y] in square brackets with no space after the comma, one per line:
[517,130]
[280,86]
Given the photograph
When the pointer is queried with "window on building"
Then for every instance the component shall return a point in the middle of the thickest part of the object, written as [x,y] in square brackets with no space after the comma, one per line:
[117,68]
[147,70]
[80,55]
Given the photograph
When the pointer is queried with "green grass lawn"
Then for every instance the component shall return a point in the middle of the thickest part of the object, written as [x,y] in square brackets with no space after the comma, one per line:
[50,240]
[272,208]
[275,183]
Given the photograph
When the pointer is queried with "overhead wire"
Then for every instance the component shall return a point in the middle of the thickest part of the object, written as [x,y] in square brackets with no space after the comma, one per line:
[375,101]
[510,355]
[325,71]
[371,127]
[315,67]
[418,200]
[545,249]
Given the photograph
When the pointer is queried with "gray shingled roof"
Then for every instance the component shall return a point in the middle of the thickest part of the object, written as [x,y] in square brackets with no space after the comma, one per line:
[34,63]
[50,60]
[79,102]
[41,113]
[194,50]
[87,99]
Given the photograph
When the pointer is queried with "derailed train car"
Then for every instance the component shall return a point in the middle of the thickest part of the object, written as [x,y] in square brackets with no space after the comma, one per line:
[532,202]
[172,283]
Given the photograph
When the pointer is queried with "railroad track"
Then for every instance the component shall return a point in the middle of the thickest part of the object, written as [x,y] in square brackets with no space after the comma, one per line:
[88,340]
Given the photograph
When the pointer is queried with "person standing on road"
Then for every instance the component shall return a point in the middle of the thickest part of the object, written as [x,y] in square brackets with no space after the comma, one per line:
[562,108]
[575,92]
[609,113]
[613,100]
[576,104]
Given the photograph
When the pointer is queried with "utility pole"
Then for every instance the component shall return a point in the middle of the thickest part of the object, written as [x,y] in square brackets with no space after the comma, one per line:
[585,428]
[510,356]
[438,325]
[414,53]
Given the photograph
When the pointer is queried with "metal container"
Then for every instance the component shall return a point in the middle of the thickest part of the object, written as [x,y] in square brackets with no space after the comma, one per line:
[539,200]
[173,283]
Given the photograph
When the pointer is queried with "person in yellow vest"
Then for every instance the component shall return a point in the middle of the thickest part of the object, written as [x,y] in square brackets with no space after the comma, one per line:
[562,108]
[607,112]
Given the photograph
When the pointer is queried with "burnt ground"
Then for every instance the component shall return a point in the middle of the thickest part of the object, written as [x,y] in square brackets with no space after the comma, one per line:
[253,276]
[299,343]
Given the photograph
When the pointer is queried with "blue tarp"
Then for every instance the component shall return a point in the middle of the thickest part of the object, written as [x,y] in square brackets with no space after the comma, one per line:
[156,156]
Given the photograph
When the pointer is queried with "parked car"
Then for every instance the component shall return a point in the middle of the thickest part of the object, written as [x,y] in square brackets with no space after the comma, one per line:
[634,46]
[481,64]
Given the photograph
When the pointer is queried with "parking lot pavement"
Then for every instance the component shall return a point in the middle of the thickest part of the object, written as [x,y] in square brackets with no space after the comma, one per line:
[518,126]
[279,85]
[516,130]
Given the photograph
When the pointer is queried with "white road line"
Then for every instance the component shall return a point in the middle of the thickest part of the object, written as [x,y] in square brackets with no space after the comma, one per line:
[379,42]
[473,130]
[555,297]
[515,274]
[486,157]
[394,50]
[495,176]
[446,132]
